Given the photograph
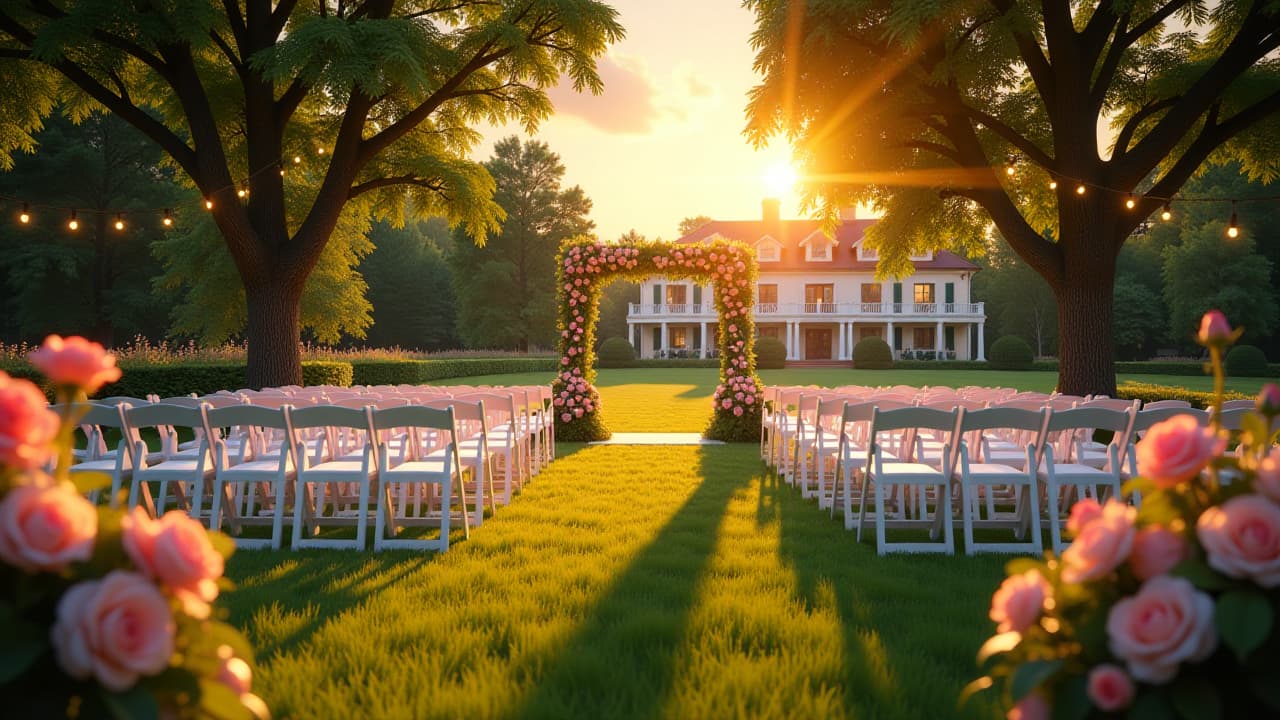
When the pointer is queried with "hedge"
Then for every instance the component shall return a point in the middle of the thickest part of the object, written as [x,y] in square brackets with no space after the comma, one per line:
[1011,352]
[1147,392]
[418,372]
[770,353]
[872,353]
[666,363]
[615,352]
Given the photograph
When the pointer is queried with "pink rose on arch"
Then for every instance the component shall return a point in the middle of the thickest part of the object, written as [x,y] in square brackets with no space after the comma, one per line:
[577,412]
[1101,545]
[566,417]
[1167,623]
[75,361]
[738,411]
[27,425]
[1242,539]
[115,630]
[46,527]
[1019,602]
[1110,688]
[564,361]
[726,403]
[175,550]
[1156,551]
[1176,450]
[749,399]
[1083,512]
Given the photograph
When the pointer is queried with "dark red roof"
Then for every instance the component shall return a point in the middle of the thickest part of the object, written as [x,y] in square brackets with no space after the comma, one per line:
[791,232]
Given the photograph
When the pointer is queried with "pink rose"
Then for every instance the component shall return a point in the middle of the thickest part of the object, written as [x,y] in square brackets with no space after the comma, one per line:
[176,551]
[738,411]
[1019,601]
[1242,539]
[46,527]
[1156,550]
[1031,707]
[27,425]
[577,412]
[1083,512]
[1102,544]
[566,417]
[1268,479]
[1167,623]
[1214,328]
[1110,688]
[75,361]
[1269,400]
[116,630]
[1176,450]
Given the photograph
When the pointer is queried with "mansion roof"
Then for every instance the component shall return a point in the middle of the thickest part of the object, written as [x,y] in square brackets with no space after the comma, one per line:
[793,235]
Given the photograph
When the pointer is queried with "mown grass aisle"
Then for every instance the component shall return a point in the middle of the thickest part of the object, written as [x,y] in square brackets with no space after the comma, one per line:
[624,582]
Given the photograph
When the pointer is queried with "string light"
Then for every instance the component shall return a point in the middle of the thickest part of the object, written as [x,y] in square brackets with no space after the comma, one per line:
[1167,213]
[320,151]
[208,204]
[297,159]
[73,224]
[24,217]
[1053,184]
[168,218]
[1080,189]
[1233,227]
[1130,203]
[119,221]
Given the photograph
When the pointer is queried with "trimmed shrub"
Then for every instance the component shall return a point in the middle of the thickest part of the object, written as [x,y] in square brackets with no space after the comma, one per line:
[615,352]
[1246,361]
[771,354]
[326,372]
[418,372]
[1147,392]
[1011,353]
[872,353]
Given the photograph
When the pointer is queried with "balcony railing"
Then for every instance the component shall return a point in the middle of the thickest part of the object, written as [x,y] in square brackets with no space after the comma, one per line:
[854,309]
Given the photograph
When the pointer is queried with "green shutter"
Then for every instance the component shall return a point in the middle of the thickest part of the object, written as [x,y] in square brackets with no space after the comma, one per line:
[949,333]
[950,291]
[897,295]
[897,338]
[657,294]
[697,294]
[657,338]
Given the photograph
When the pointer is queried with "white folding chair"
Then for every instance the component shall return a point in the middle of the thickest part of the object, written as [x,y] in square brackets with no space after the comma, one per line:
[986,478]
[186,471]
[261,478]
[94,419]
[1063,479]
[442,469]
[330,466]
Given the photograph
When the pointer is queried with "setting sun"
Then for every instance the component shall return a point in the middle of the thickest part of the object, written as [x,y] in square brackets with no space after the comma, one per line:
[779,179]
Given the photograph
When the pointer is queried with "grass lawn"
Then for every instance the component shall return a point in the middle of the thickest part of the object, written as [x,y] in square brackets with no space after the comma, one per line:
[624,582]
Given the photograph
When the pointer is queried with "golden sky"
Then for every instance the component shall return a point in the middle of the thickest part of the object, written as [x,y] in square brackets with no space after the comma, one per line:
[665,139]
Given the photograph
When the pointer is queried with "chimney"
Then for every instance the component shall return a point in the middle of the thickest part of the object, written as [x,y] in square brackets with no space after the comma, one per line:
[772,210]
[849,214]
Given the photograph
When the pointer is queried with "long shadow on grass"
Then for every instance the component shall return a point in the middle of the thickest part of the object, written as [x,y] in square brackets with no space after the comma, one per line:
[910,625]
[620,660]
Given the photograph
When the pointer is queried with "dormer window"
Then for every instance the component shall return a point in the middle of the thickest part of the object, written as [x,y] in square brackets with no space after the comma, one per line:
[817,247]
[768,250]
[867,254]
[922,257]
[819,251]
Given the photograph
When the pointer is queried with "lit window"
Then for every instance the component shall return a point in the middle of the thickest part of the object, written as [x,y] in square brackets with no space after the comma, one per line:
[819,251]
[872,292]
[924,292]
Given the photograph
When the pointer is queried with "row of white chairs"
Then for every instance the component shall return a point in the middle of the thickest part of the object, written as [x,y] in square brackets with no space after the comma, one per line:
[979,458]
[315,460]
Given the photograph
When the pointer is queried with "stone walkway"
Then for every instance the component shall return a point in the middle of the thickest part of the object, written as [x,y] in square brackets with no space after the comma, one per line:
[620,438]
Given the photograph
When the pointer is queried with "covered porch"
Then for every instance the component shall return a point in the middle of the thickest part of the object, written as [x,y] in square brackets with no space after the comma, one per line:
[658,340]
[835,340]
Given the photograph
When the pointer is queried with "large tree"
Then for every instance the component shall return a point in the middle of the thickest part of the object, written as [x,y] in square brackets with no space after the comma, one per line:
[507,289]
[410,287]
[376,99]
[918,108]
[96,280]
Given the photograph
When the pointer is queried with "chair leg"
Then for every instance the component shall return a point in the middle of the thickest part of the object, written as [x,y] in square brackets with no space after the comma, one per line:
[446,490]
[880,518]
[362,514]
[967,510]
[1055,522]
[277,514]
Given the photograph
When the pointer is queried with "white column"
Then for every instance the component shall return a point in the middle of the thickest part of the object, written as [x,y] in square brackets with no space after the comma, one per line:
[938,340]
[889,339]
[840,342]
[631,336]
[704,340]
[982,341]
[664,336]
[791,340]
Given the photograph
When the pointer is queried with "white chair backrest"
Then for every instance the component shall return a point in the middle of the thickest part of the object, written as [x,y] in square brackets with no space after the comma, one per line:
[1147,417]
[1239,404]
[1162,404]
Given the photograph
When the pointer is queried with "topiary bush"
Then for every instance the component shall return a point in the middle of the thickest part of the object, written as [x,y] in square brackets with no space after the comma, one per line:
[1246,361]
[872,353]
[615,352]
[1011,353]
[771,354]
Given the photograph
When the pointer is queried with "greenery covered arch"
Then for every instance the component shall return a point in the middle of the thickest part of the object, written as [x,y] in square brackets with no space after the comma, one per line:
[585,266]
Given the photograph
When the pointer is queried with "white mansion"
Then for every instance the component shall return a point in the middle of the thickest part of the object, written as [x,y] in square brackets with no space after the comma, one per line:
[819,296]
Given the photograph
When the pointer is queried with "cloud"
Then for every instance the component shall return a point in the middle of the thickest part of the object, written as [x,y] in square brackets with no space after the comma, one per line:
[627,105]
[697,87]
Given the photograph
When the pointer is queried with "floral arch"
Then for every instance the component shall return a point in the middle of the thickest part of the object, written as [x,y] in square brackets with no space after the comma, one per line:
[586,266]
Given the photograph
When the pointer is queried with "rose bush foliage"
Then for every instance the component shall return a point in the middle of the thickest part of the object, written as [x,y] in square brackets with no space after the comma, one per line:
[1165,608]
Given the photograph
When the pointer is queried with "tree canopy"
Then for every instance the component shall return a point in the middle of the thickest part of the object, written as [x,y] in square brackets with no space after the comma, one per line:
[376,101]
[947,118]
[507,289]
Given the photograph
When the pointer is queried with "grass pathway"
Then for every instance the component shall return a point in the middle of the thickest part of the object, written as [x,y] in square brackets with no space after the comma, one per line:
[625,582]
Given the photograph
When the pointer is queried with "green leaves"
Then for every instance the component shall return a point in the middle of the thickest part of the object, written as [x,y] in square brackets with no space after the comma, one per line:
[1243,619]
[137,703]
[1030,675]
[21,645]
[1194,698]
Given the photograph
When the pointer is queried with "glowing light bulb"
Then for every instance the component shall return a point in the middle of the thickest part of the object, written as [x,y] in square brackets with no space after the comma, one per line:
[1053,184]
[208,204]
[168,218]
[297,159]
[1167,213]
[119,221]
[24,217]
[241,193]
[1080,189]
[73,223]
[320,151]
[1130,202]
[1010,171]
[1233,227]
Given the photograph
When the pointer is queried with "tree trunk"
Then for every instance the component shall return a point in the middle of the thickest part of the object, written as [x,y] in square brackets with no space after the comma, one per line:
[1086,346]
[274,332]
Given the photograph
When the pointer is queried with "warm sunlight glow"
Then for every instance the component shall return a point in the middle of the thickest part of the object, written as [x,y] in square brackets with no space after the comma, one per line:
[779,179]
